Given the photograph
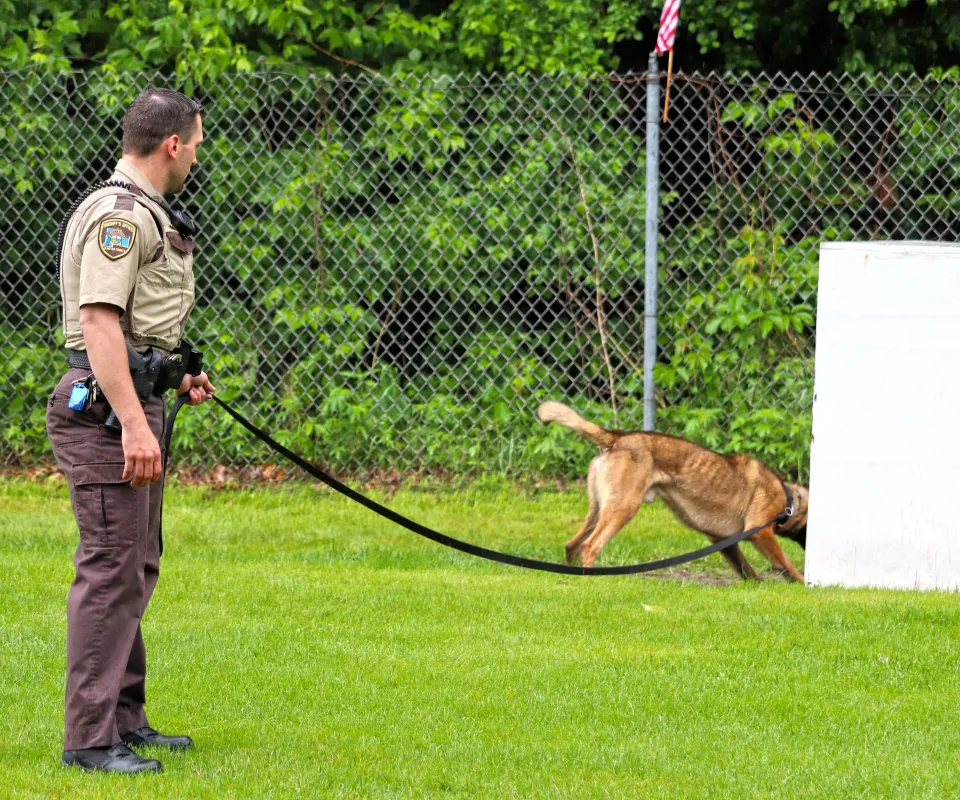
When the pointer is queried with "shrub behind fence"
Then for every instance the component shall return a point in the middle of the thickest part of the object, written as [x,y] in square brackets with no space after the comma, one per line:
[394,273]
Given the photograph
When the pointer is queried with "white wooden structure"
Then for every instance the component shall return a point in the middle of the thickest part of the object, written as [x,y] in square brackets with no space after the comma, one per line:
[885,457]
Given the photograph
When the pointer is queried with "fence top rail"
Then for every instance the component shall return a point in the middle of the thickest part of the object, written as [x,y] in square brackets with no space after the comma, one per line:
[789,81]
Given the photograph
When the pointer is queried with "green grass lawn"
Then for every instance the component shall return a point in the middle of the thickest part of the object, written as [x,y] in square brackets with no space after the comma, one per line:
[314,650]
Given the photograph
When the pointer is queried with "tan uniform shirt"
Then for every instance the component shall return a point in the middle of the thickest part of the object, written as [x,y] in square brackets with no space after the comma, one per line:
[122,249]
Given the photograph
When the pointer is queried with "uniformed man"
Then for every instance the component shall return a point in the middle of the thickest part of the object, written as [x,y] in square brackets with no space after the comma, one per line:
[126,277]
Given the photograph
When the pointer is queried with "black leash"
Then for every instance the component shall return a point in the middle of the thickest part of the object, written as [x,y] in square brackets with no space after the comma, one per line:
[449,541]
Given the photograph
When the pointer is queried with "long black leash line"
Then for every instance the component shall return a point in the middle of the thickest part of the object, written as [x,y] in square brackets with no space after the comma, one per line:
[449,541]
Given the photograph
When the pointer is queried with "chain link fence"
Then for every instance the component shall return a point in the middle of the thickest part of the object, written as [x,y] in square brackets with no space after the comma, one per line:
[394,273]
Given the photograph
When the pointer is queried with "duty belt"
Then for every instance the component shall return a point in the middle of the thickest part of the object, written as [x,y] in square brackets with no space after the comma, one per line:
[151,371]
[190,359]
[78,359]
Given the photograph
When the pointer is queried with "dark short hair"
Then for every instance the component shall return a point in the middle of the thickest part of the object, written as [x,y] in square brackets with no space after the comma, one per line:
[155,115]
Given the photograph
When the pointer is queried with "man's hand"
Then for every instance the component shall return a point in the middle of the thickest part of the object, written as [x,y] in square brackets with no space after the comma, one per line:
[141,455]
[198,386]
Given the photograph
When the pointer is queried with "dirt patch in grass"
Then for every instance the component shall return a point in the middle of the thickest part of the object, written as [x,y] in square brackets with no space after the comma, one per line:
[704,577]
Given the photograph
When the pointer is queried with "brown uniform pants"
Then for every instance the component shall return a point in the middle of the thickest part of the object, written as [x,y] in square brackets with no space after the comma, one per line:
[117,565]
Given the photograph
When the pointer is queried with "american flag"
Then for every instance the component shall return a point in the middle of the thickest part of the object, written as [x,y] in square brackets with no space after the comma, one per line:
[668,26]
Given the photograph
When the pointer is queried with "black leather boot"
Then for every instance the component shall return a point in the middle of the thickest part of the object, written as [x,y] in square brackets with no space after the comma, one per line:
[148,737]
[116,758]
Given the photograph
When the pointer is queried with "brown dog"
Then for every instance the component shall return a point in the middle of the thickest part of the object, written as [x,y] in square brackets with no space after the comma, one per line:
[717,495]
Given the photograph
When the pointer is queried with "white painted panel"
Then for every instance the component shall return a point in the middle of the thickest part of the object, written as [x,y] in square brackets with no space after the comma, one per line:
[885,457]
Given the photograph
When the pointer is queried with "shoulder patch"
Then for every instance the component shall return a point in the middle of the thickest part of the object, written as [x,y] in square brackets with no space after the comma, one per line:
[117,237]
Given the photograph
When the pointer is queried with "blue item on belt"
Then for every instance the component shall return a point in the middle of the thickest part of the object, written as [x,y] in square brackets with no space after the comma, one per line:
[79,396]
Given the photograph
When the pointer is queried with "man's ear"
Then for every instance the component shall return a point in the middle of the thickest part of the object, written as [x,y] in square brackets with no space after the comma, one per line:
[174,143]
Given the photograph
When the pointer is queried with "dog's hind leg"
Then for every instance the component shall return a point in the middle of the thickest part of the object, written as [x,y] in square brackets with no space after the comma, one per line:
[767,544]
[621,484]
[737,559]
[612,518]
[575,545]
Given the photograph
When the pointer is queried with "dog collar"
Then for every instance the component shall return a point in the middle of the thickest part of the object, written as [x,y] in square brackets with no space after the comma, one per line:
[790,509]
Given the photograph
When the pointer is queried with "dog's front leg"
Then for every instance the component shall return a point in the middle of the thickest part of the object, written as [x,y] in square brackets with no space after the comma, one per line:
[767,543]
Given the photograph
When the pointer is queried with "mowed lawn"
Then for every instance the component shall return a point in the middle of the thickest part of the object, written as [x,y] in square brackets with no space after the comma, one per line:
[314,650]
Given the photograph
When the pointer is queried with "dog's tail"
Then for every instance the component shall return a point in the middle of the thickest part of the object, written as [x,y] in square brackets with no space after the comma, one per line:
[558,412]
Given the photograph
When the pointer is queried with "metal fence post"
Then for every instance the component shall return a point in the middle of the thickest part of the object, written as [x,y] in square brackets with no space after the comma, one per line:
[652,217]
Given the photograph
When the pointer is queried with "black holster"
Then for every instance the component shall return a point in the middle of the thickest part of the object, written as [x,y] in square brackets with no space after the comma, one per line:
[153,373]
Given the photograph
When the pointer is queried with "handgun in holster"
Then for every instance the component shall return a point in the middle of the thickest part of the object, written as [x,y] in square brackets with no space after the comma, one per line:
[153,373]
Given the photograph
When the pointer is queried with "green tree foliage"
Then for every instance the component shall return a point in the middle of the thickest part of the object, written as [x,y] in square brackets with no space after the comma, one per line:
[204,38]
[398,267]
